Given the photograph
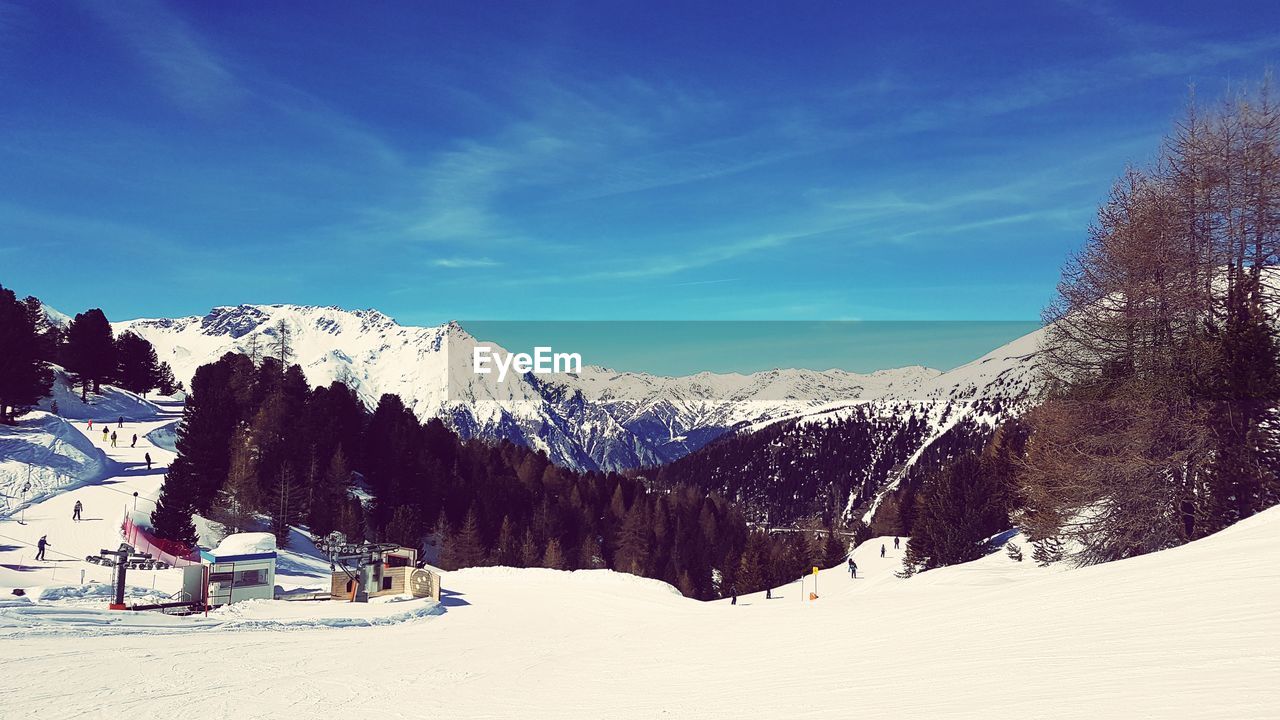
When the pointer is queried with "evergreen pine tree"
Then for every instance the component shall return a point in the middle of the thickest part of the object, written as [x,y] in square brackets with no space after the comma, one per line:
[172,519]
[165,381]
[24,376]
[138,369]
[331,490]
[90,352]
[468,547]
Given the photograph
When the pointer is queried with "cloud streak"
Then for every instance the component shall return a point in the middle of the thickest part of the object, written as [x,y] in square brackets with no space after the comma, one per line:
[179,61]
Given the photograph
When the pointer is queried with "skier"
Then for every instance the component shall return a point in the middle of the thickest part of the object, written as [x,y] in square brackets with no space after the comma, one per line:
[881,549]
[121,421]
[853,568]
[75,512]
[148,459]
[734,601]
[135,441]
[44,540]
[90,424]
[105,433]
[768,593]
[895,542]
[113,439]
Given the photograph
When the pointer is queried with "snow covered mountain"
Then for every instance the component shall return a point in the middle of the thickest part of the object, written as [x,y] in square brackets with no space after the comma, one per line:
[598,419]
[867,457]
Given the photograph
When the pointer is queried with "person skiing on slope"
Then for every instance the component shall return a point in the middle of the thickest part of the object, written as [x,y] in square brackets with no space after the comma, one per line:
[734,601]
[90,424]
[881,549]
[853,568]
[148,459]
[121,421]
[895,542]
[113,439]
[75,512]
[105,432]
[40,544]
[135,441]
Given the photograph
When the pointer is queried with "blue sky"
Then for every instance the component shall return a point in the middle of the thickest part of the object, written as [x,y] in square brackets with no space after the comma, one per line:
[596,160]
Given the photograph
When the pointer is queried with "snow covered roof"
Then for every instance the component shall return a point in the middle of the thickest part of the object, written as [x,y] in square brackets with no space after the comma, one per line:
[244,546]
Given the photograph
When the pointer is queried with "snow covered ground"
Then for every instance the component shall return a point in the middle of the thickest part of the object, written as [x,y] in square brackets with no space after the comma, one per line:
[43,454]
[111,404]
[1190,632]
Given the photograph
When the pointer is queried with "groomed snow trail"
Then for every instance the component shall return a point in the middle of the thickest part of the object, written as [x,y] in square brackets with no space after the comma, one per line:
[104,503]
[1189,632]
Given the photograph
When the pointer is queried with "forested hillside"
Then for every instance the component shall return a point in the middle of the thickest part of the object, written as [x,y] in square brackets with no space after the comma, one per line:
[257,445]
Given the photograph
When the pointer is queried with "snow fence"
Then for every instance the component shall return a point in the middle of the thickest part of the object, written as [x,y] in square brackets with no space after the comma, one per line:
[139,535]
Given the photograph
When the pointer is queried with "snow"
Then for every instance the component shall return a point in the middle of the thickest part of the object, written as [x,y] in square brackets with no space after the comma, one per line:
[249,543]
[43,454]
[165,437]
[110,405]
[1188,632]
[599,418]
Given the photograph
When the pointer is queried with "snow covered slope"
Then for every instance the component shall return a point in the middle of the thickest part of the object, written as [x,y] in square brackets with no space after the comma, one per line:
[112,403]
[598,419]
[42,455]
[847,459]
[1188,632]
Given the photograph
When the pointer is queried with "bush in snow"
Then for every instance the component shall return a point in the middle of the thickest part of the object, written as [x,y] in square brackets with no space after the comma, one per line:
[1014,552]
[1047,551]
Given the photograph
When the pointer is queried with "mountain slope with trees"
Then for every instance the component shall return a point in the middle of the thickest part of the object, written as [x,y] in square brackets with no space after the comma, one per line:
[257,445]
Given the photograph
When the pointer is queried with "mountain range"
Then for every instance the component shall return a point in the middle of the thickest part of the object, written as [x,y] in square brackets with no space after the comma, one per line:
[598,419]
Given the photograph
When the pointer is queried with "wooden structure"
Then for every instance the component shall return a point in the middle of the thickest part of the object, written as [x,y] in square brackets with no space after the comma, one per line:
[389,570]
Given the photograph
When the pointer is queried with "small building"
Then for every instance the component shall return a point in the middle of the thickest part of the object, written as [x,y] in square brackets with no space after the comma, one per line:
[386,570]
[242,567]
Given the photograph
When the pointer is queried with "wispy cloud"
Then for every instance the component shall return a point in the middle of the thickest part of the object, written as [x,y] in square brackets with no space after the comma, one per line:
[183,66]
[465,262]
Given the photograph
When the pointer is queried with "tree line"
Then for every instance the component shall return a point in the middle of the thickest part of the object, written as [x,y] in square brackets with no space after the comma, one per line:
[257,445]
[1159,425]
[87,348]
[804,472]
[1161,377]
[1161,368]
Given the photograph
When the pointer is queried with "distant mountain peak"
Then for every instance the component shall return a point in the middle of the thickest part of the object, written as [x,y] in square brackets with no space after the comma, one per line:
[597,419]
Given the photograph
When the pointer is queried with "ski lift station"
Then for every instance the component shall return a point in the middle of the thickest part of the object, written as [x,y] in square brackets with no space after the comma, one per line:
[242,567]
[366,570]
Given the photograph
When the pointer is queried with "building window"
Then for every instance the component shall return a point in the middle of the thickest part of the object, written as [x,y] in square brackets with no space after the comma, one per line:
[252,577]
[386,583]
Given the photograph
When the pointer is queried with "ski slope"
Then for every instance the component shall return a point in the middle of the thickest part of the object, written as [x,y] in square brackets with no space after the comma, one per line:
[1189,632]
[104,494]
